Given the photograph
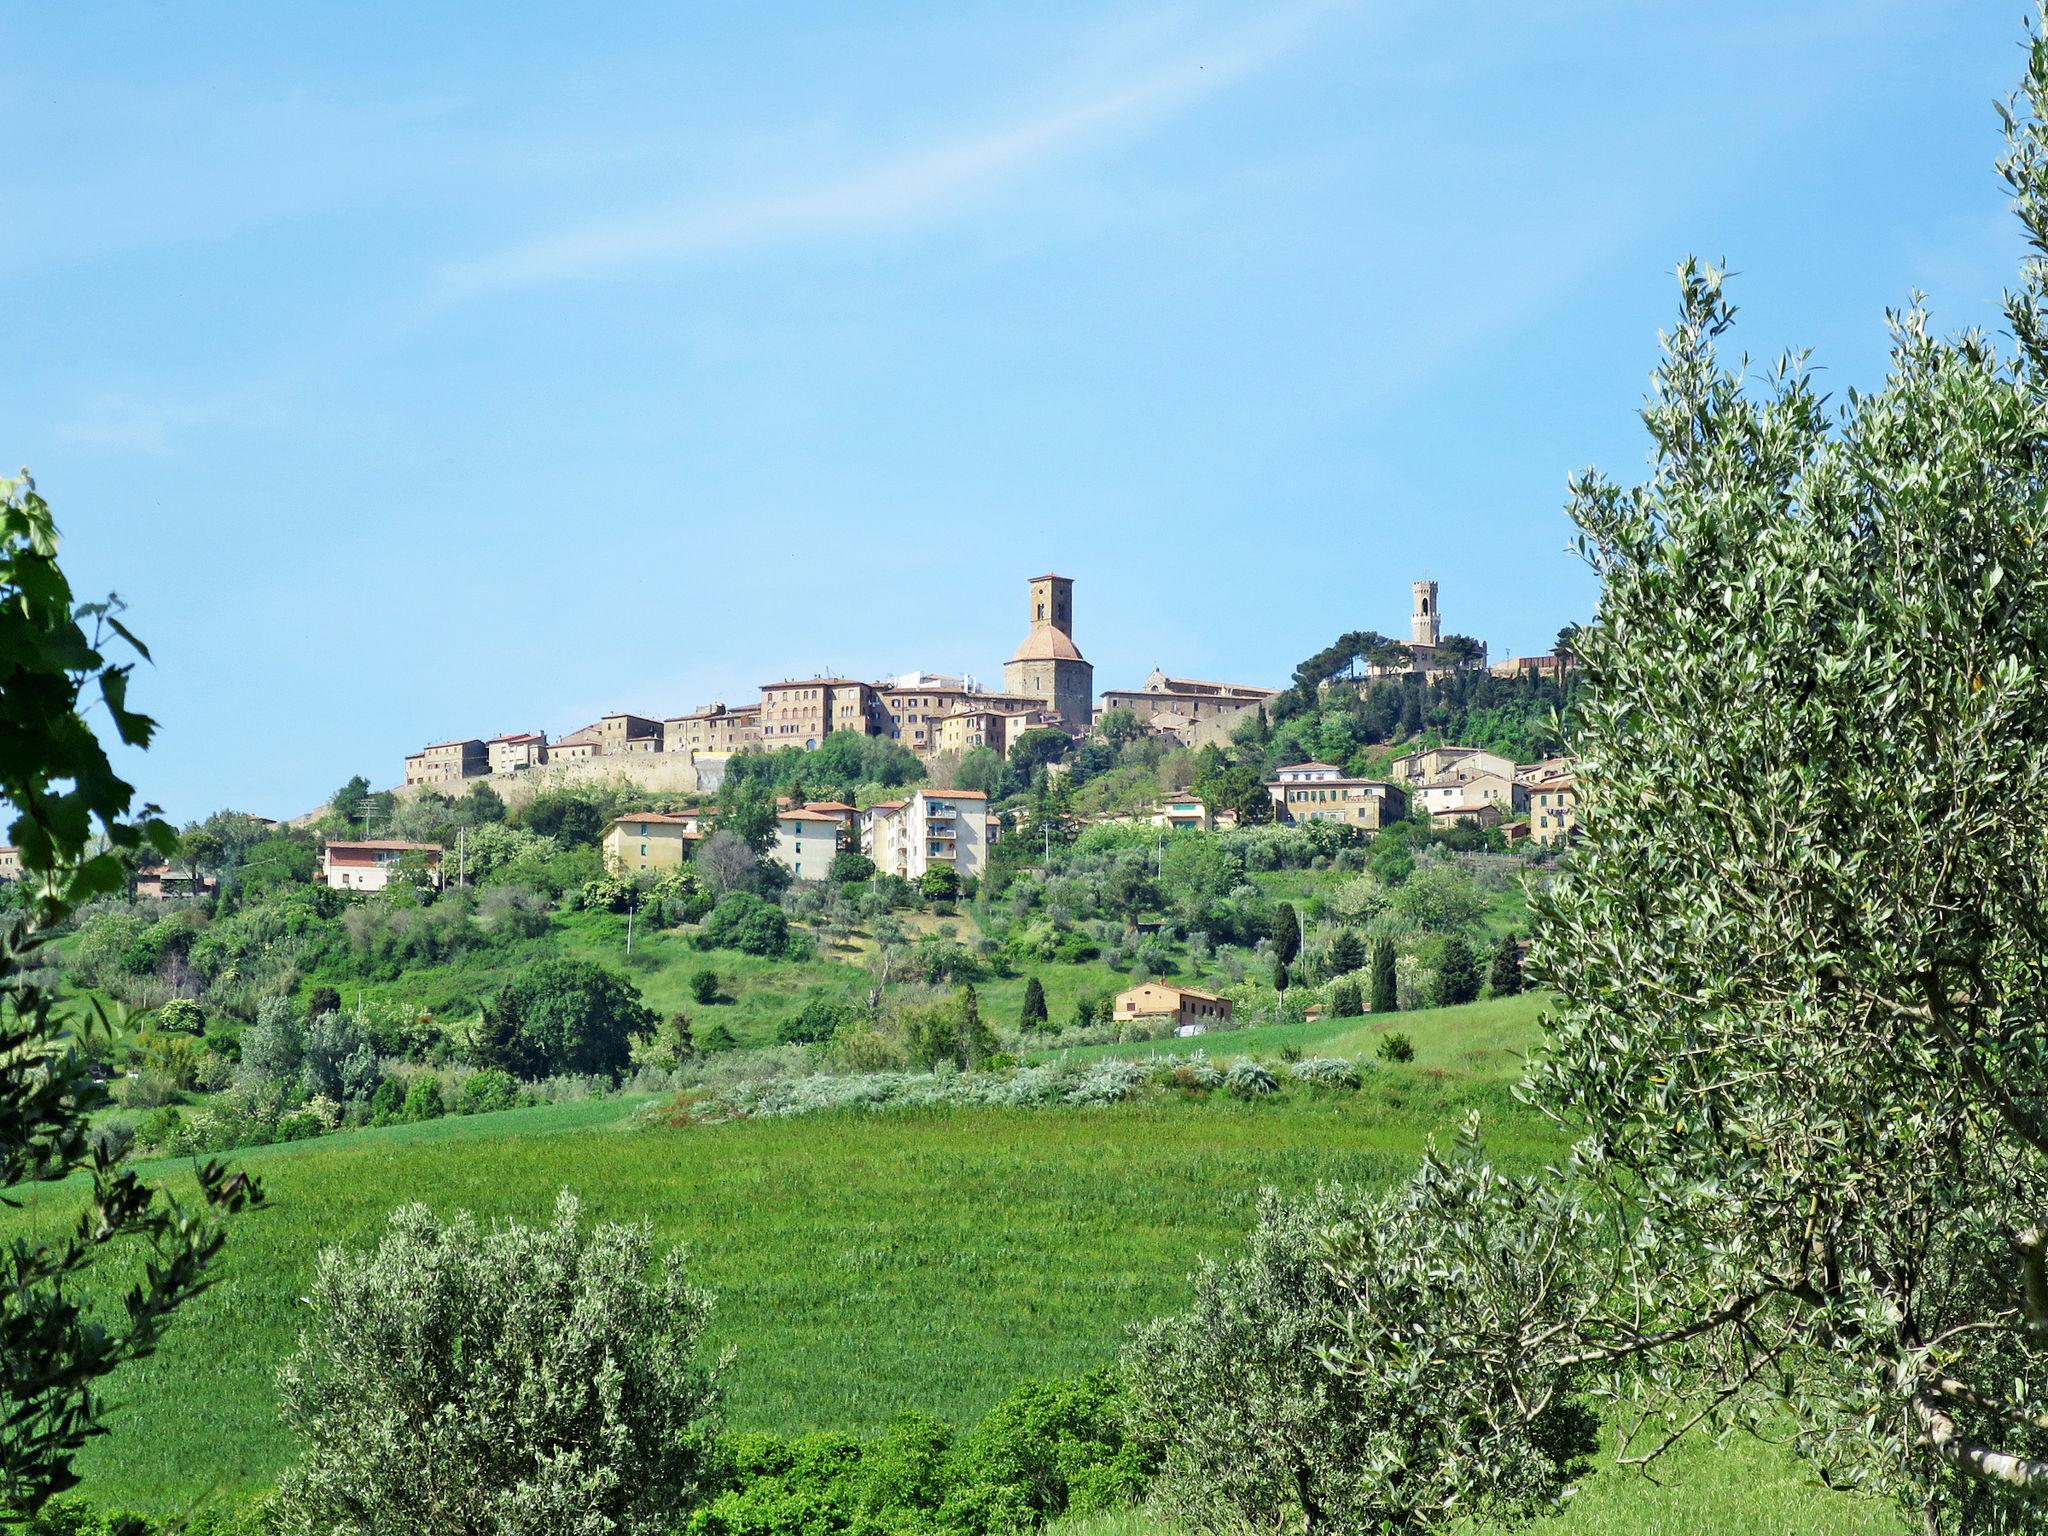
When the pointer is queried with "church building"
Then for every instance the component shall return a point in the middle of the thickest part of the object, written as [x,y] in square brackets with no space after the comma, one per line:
[1048,665]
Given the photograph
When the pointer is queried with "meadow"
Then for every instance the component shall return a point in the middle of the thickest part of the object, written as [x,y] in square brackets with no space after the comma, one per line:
[869,1263]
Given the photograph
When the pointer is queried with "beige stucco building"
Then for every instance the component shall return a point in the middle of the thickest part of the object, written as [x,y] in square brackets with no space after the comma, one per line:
[1553,809]
[650,840]
[1324,792]
[1048,668]
[806,842]
[518,751]
[1192,1012]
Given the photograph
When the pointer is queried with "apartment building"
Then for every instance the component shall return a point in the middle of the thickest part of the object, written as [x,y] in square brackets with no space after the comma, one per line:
[650,840]
[801,712]
[367,864]
[1553,809]
[989,725]
[714,730]
[806,842]
[1324,792]
[448,762]
[933,827]
[518,751]
[1192,1012]
[1506,793]
[1200,713]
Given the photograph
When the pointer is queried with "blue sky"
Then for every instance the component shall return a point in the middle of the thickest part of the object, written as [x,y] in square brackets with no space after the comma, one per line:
[424,371]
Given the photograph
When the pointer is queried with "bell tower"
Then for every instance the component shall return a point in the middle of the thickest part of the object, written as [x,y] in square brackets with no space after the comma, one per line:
[1425,625]
[1052,602]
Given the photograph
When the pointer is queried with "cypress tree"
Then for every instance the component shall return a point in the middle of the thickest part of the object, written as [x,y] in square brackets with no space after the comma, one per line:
[1384,999]
[1033,1016]
[1344,1000]
[1506,975]
[1281,980]
[1457,973]
[1346,953]
[1286,933]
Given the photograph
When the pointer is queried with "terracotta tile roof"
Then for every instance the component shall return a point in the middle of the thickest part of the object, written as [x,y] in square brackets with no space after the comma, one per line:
[827,805]
[665,818]
[1046,643]
[954,794]
[382,842]
[516,736]
[805,816]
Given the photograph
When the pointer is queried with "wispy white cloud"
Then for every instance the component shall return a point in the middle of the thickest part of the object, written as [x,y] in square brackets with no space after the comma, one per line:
[891,193]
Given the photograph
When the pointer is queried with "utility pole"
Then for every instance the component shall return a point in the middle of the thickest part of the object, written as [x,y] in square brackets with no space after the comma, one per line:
[631,912]
[462,855]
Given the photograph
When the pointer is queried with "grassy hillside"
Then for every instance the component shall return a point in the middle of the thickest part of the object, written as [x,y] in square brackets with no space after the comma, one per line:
[868,1263]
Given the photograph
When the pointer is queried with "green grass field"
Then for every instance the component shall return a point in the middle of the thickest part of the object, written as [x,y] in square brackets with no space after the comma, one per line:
[868,1263]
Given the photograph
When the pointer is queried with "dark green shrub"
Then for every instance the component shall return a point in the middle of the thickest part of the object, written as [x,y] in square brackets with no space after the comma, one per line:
[489,1090]
[743,921]
[816,1022]
[1396,1047]
[423,1099]
[388,1102]
[704,987]
[562,1016]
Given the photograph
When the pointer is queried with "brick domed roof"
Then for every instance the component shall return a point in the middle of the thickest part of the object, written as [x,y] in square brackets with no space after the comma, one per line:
[1046,643]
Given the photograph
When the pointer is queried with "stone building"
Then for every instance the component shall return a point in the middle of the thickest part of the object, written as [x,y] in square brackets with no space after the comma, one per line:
[448,762]
[1199,713]
[802,712]
[714,730]
[1048,667]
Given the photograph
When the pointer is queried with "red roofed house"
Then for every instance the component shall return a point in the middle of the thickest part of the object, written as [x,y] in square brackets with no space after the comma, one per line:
[367,864]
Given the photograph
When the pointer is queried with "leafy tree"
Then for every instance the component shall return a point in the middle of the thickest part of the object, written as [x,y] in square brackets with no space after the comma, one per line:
[746,810]
[1032,1016]
[562,1016]
[423,1100]
[850,868]
[482,806]
[351,800]
[1806,1021]
[1118,726]
[323,1000]
[569,818]
[939,883]
[717,1038]
[1384,994]
[1458,973]
[200,849]
[1286,932]
[1567,645]
[704,987]
[55,1351]
[1194,873]
[745,922]
[1345,1002]
[1035,748]
[1505,977]
[983,769]
[277,862]
[816,1022]
[521,1379]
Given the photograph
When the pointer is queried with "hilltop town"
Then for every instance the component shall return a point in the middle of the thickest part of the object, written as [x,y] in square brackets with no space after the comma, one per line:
[1048,684]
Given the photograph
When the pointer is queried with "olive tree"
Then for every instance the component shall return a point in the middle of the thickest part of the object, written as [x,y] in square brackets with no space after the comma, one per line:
[1801,954]
[523,1379]
[64,796]
[1377,1362]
